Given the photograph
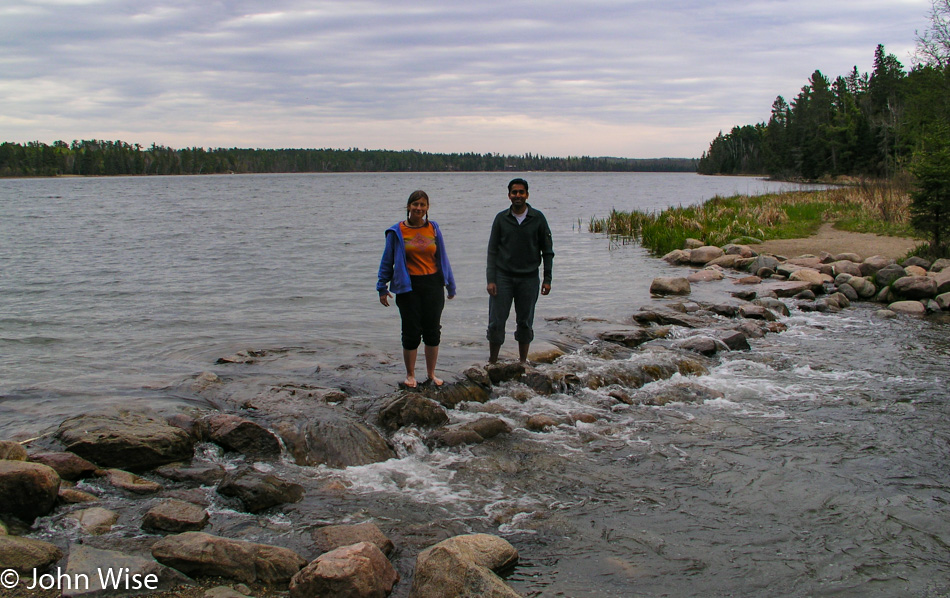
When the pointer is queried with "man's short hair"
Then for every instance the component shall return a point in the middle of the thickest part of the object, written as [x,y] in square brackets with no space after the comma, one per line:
[513,182]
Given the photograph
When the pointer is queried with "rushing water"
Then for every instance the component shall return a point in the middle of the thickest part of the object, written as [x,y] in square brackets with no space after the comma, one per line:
[821,471]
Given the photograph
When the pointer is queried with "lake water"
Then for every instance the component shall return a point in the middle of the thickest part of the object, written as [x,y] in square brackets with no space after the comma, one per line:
[822,471]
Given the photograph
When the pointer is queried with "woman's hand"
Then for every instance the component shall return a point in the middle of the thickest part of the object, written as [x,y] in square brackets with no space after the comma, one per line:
[384,299]
[451,297]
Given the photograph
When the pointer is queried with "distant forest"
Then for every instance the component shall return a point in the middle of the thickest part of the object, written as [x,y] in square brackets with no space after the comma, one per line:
[103,158]
[863,125]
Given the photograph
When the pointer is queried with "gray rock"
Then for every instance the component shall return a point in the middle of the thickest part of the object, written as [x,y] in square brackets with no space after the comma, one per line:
[259,491]
[198,553]
[703,345]
[27,490]
[203,474]
[850,257]
[757,312]
[943,301]
[776,305]
[915,287]
[848,291]
[940,265]
[478,375]
[333,437]
[634,337]
[234,433]
[504,371]
[735,340]
[175,516]
[90,562]
[763,261]
[916,261]
[677,257]
[451,394]
[846,266]
[888,274]
[464,566]
[23,555]
[358,570]
[885,314]
[872,265]
[669,317]
[411,409]
[686,392]
[704,254]
[864,287]
[942,279]
[128,440]
[664,285]
[913,308]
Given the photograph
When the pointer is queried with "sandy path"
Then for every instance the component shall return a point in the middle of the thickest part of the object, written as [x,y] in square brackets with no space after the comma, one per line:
[836,241]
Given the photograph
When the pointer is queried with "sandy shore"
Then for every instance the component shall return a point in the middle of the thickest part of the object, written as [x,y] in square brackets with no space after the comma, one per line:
[836,241]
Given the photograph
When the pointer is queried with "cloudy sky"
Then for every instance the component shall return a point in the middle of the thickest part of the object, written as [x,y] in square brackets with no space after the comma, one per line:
[631,78]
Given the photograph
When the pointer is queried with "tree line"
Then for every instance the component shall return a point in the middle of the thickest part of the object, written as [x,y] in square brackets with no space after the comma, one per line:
[857,125]
[104,158]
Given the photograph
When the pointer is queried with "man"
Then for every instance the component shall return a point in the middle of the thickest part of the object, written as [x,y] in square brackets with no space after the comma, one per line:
[520,241]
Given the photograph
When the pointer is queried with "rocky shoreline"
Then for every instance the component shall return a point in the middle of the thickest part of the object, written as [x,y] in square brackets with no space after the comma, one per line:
[137,492]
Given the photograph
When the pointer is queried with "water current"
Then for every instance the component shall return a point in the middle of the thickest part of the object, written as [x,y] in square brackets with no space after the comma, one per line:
[820,471]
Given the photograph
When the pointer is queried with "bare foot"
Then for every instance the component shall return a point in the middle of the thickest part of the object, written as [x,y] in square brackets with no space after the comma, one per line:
[435,381]
[410,382]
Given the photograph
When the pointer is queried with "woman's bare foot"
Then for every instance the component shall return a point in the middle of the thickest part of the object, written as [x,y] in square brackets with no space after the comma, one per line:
[435,381]
[410,382]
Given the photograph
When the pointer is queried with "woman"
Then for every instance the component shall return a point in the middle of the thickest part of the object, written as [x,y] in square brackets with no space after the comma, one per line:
[415,267]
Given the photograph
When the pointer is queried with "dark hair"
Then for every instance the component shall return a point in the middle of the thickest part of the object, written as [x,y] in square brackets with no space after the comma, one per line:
[517,182]
[415,196]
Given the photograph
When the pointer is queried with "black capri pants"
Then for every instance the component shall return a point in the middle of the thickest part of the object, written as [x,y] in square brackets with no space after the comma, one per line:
[421,311]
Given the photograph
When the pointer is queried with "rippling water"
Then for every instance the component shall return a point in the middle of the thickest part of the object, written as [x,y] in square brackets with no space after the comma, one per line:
[821,471]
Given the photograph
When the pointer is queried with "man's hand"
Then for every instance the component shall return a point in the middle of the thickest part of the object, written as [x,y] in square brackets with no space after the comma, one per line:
[545,289]
[384,299]
[492,289]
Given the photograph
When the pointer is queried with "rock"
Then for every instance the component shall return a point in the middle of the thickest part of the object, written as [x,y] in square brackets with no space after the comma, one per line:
[330,537]
[888,274]
[864,287]
[259,491]
[807,275]
[848,291]
[131,482]
[774,305]
[692,244]
[633,337]
[359,570]
[872,265]
[704,254]
[71,496]
[736,249]
[677,256]
[69,466]
[128,440]
[474,432]
[942,279]
[332,437]
[540,422]
[940,265]
[706,275]
[586,418]
[23,555]
[885,314]
[915,271]
[848,257]
[943,301]
[725,261]
[788,288]
[198,553]
[240,435]
[915,287]
[27,490]
[464,566]
[668,317]
[539,382]
[411,409]
[203,474]
[175,516]
[847,266]
[762,262]
[757,312]
[244,356]
[916,261]
[703,345]
[504,371]
[913,308]
[478,375]
[670,286]
[95,520]
[90,562]
[12,451]
[686,392]
[842,300]
[463,391]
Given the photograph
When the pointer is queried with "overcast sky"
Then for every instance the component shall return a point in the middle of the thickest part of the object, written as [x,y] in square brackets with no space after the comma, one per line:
[637,79]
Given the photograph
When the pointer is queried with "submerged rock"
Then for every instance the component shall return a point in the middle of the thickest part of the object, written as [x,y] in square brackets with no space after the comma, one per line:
[332,437]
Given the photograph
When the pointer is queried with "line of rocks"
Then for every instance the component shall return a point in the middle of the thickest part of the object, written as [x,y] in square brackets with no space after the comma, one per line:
[914,286]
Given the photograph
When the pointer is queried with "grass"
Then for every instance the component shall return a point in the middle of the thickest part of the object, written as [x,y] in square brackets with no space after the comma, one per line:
[875,207]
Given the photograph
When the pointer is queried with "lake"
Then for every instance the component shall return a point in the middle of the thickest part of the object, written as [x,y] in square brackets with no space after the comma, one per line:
[821,471]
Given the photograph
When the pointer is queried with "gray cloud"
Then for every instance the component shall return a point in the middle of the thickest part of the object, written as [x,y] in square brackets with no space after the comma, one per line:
[638,79]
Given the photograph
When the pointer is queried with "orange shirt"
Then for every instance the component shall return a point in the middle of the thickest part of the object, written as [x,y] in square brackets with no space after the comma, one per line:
[420,249]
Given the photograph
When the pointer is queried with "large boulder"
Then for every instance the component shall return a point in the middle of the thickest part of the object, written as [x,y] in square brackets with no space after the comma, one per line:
[665,285]
[334,438]
[411,409]
[464,567]
[23,555]
[198,553]
[705,254]
[912,308]
[234,433]
[258,490]
[942,279]
[69,466]
[27,490]
[359,570]
[915,287]
[127,440]
[888,274]
[114,566]
[874,264]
